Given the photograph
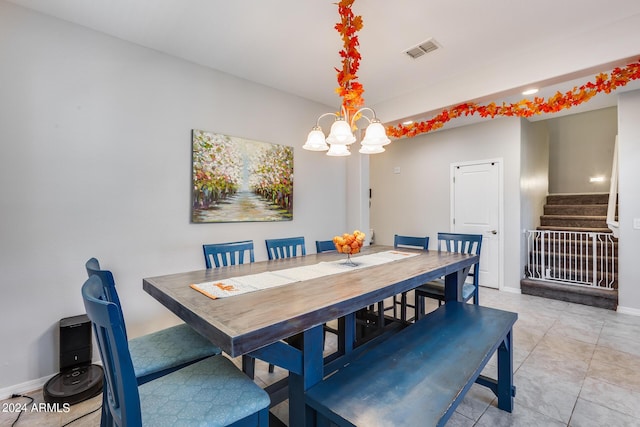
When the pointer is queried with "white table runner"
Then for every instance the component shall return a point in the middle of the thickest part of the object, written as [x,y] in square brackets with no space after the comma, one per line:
[269,279]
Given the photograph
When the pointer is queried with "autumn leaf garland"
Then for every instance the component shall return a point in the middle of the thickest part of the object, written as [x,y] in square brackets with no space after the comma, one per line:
[350,90]
[525,108]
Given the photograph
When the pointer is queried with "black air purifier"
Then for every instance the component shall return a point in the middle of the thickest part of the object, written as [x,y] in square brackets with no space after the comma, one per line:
[78,379]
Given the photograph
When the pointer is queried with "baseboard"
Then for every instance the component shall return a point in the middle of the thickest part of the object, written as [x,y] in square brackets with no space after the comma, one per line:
[628,310]
[26,387]
[511,290]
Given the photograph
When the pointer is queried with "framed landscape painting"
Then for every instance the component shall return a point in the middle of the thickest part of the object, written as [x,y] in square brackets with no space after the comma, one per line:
[240,180]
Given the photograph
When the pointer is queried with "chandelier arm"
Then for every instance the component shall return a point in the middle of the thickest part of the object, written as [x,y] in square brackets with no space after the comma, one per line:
[344,112]
[325,115]
[362,110]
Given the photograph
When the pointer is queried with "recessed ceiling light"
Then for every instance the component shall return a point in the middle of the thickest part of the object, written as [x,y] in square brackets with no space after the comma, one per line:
[530,91]
[408,122]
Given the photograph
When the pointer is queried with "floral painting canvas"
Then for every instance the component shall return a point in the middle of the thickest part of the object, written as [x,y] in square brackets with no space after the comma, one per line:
[237,180]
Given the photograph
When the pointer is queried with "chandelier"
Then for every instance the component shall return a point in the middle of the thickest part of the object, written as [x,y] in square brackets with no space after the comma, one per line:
[350,90]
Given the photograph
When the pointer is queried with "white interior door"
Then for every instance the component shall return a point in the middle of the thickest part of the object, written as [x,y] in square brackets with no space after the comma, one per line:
[476,196]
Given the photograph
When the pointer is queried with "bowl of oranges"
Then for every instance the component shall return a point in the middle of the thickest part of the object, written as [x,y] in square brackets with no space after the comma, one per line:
[349,244]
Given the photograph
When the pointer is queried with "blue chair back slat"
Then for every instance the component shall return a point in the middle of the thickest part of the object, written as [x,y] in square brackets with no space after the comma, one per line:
[108,282]
[123,397]
[224,254]
[325,246]
[411,241]
[285,248]
[462,243]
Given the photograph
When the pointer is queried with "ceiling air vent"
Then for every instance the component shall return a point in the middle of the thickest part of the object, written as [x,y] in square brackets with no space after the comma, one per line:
[424,47]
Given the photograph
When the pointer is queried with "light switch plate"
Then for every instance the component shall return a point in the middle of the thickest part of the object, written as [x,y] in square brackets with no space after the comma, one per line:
[636,223]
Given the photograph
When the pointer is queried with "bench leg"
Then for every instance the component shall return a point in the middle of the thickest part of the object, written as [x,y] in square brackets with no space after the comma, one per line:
[505,374]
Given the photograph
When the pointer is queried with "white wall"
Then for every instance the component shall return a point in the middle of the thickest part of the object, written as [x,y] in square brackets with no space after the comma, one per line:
[95,160]
[416,200]
[581,146]
[629,202]
[357,193]
[534,178]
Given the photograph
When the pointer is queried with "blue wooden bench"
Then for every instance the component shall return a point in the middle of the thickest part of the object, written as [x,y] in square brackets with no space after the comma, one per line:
[418,376]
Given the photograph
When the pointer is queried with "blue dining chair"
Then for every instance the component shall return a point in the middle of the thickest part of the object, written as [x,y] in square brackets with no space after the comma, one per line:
[159,353]
[285,248]
[211,392]
[232,253]
[411,242]
[224,254]
[321,247]
[325,246]
[452,242]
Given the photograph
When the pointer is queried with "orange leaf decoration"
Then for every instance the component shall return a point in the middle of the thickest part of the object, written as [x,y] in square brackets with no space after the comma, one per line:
[349,89]
[525,108]
[224,287]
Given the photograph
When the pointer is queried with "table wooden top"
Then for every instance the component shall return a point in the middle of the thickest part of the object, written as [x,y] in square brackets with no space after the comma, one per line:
[246,322]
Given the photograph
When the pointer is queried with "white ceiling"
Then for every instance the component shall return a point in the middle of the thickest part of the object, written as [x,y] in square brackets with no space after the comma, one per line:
[489,48]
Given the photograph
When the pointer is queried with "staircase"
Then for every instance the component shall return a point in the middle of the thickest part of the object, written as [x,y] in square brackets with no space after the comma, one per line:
[576,212]
[572,254]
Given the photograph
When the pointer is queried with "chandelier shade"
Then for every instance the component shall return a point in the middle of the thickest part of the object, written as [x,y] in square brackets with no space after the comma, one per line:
[315,140]
[341,133]
[337,150]
[375,134]
[371,149]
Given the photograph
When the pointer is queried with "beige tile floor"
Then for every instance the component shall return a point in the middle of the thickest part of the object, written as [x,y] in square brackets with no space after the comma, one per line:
[574,366]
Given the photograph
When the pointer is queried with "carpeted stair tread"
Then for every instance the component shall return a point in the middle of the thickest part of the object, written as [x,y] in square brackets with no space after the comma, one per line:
[578,199]
[577,229]
[594,210]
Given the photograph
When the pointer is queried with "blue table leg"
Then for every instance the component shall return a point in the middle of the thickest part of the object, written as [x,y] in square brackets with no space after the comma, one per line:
[452,292]
[312,373]
[347,337]
[453,283]
[505,374]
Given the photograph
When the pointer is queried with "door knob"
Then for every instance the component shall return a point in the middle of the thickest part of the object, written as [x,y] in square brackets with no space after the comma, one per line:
[494,231]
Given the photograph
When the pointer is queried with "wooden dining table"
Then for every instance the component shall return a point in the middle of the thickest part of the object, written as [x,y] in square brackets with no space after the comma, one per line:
[256,324]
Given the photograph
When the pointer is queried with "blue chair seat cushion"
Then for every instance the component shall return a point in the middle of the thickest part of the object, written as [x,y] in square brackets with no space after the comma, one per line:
[163,351]
[218,394]
[435,288]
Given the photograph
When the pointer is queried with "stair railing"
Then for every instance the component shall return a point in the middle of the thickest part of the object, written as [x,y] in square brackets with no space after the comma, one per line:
[612,223]
[572,257]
